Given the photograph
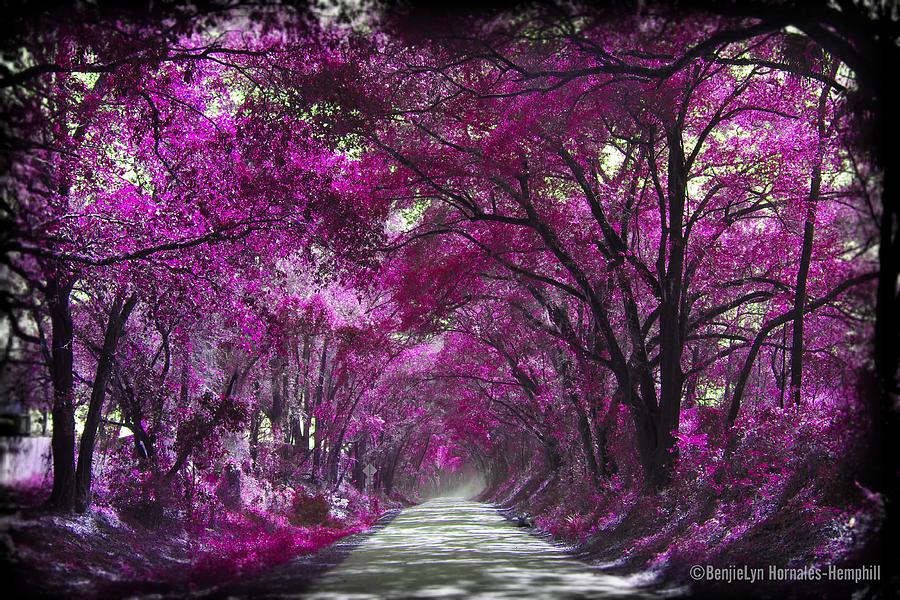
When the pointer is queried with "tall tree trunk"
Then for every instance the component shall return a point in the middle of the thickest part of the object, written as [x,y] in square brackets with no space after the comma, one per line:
[315,435]
[334,460]
[303,438]
[782,373]
[587,443]
[185,387]
[387,478]
[295,399]
[648,442]
[255,422]
[276,413]
[359,454]
[584,424]
[62,442]
[643,409]
[603,427]
[690,386]
[671,339]
[552,455]
[118,315]
[809,228]
[424,452]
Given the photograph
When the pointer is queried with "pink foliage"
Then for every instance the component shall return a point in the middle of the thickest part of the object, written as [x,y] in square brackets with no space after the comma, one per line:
[619,286]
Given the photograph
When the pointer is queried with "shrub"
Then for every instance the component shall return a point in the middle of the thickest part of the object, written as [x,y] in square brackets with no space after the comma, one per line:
[309,509]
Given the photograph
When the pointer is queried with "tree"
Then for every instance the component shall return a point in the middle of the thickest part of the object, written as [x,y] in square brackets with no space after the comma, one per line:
[490,133]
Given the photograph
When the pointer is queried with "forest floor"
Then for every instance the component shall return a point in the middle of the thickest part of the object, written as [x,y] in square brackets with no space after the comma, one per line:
[665,535]
[300,573]
[105,554]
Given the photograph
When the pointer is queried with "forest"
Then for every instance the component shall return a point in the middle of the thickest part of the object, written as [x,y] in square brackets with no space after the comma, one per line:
[271,271]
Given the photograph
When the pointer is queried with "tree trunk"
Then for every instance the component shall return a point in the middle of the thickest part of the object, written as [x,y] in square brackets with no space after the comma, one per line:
[584,424]
[671,339]
[320,390]
[185,387]
[334,460]
[61,371]
[644,412]
[603,426]
[782,373]
[551,453]
[303,438]
[359,453]
[806,254]
[118,315]
[277,411]
[587,442]
[645,430]
[255,422]
[388,477]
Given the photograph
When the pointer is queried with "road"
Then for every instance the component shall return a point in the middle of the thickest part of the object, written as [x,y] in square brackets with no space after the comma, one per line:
[457,548]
